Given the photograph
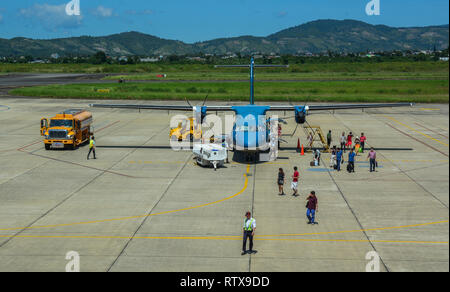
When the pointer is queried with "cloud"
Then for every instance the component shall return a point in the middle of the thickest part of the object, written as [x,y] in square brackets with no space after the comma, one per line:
[51,17]
[103,12]
[140,12]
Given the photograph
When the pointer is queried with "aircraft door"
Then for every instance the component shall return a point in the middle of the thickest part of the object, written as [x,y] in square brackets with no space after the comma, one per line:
[44,126]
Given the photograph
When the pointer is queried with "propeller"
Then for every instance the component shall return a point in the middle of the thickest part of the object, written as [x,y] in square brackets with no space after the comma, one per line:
[204,101]
[187,101]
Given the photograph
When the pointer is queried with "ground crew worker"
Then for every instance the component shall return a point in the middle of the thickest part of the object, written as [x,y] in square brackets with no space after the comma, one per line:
[91,147]
[225,145]
[249,231]
[329,138]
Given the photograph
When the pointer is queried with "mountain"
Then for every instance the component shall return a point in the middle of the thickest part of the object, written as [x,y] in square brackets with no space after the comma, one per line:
[357,36]
[128,43]
[314,37]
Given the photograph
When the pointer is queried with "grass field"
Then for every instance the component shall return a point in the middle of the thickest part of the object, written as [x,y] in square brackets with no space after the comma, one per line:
[421,91]
[261,75]
[339,82]
[198,71]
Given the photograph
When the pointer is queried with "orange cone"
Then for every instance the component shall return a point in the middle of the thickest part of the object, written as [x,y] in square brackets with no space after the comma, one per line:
[303,151]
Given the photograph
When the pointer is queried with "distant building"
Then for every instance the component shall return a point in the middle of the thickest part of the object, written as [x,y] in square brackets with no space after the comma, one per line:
[444,59]
[196,59]
[229,56]
[149,60]
[54,56]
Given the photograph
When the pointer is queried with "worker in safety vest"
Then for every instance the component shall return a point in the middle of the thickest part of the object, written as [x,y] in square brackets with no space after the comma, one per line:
[91,147]
[225,145]
[249,231]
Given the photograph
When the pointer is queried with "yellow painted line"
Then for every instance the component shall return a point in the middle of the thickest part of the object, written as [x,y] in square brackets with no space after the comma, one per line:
[257,237]
[140,216]
[354,240]
[414,130]
[360,230]
[221,238]
[156,162]
[430,109]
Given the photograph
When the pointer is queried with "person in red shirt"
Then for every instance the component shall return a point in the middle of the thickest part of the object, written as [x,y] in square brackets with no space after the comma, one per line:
[312,207]
[279,135]
[350,140]
[363,141]
[294,184]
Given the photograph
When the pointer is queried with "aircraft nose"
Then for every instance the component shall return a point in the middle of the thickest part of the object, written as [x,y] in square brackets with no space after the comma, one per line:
[246,140]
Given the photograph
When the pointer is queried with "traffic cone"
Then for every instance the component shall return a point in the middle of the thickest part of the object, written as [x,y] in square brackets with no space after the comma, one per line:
[303,151]
[298,145]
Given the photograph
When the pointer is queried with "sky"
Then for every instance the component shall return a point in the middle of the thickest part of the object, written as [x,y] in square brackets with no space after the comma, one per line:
[201,20]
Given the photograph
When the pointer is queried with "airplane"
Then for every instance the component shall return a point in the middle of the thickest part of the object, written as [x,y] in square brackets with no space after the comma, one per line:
[251,130]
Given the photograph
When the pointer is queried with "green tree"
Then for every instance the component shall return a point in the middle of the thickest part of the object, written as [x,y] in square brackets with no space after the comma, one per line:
[98,58]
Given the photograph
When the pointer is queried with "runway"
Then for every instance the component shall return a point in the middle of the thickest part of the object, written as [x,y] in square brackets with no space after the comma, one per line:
[143,207]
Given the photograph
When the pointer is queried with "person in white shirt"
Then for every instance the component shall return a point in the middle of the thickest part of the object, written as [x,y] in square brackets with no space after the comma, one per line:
[343,142]
[249,231]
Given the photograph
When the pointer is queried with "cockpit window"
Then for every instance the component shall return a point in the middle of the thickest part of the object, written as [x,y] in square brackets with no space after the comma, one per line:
[61,123]
[245,128]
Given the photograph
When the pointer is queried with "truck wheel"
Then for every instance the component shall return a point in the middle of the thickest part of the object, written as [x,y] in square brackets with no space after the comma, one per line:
[47,146]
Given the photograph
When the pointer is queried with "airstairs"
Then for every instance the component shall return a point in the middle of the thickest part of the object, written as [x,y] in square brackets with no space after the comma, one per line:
[318,138]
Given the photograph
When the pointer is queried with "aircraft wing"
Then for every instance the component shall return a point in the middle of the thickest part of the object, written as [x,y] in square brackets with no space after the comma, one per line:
[337,106]
[271,108]
[161,107]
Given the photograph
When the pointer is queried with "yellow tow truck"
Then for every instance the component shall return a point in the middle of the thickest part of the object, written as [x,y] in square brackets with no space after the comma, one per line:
[187,130]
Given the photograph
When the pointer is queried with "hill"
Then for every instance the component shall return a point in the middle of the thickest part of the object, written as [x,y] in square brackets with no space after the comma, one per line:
[314,37]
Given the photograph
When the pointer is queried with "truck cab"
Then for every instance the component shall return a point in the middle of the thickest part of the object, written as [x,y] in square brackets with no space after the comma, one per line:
[186,131]
[68,129]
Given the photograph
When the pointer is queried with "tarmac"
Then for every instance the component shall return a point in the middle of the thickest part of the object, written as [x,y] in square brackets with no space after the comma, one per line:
[140,206]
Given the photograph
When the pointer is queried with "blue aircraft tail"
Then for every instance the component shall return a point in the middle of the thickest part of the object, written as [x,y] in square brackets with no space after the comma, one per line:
[252,67]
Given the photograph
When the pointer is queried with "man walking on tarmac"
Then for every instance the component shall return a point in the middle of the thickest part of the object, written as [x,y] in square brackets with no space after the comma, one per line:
[312,207]
[91,147]
[249,231]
